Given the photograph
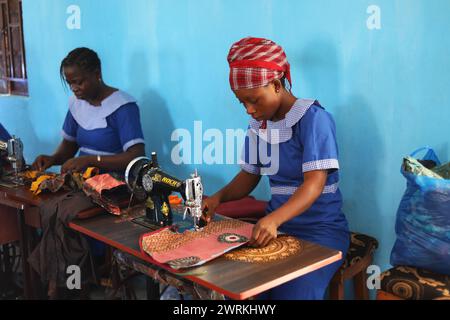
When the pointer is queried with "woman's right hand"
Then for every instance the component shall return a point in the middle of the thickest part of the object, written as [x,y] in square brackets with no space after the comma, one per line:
[43,162]
[209,206]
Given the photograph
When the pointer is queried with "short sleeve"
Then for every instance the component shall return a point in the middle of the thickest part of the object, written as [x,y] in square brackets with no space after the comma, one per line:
[127,121]
[318,137]
[70,128]
[249,156]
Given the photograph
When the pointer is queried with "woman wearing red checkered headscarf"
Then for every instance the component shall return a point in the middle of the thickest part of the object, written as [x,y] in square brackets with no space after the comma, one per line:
[293,142]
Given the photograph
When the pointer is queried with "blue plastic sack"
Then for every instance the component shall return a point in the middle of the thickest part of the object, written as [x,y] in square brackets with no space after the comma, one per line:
[423,222]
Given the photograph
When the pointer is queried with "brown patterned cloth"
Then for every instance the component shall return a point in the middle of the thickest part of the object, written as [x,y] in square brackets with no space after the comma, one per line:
[192,248]
[56,183]
[415,284]
[107,191]
[166,240]
[361,245]
[52,182]
[278,249]
[61,246]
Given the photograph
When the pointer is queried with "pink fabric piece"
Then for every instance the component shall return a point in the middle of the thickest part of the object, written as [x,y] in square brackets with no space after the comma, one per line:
[103,182]
[197,251]
[106,191]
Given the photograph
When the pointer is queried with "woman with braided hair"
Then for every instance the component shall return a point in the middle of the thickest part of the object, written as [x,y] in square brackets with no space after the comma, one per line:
[299,135]
[103,126]
[102,123]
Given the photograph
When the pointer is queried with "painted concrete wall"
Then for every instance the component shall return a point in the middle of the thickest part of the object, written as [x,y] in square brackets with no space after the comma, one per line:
[381,67]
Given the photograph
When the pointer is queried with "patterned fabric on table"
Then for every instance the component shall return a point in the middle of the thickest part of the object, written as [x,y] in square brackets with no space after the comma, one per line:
[278,249]
[106,191]
[55,182]
[415,284]
[361,245]
[193,248]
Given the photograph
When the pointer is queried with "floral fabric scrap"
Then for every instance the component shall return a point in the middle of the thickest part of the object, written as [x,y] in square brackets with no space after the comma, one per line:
[54,182]
[106,191]
[194,248]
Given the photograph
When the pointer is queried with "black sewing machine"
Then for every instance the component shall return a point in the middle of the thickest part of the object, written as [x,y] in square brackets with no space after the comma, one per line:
[11,155]
[149,183]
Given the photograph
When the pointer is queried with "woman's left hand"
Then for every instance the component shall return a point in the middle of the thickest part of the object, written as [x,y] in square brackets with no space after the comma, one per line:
[264,232]
[78,164]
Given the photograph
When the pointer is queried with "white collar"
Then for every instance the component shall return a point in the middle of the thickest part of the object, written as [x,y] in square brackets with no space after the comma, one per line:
[91,117]
[281,131]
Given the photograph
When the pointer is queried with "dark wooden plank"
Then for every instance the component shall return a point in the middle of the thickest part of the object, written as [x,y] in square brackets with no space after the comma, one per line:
[9,230]
[238,280]
[22,194]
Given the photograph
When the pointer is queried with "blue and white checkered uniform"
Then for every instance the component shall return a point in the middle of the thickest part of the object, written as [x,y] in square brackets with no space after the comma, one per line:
[109,129]
[305,140]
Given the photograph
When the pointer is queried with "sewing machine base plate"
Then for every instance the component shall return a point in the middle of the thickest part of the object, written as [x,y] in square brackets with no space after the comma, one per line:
[10,182]
[148,223]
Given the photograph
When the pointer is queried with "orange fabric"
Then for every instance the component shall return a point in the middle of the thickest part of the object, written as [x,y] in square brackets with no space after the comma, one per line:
[35,185]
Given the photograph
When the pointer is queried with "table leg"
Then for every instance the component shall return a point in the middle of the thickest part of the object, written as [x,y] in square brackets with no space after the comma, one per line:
[38,290]
[8,288]
[3,276]
[152,289]
[24,252]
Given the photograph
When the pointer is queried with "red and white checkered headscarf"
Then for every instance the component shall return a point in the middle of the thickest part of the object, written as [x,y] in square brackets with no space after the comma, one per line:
[255,62]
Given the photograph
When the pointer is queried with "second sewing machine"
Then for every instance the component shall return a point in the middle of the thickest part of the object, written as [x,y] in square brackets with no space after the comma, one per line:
[149,183]
[11,157]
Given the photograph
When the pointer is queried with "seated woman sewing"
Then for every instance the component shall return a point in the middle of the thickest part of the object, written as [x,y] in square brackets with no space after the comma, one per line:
[9,231]
[102,123]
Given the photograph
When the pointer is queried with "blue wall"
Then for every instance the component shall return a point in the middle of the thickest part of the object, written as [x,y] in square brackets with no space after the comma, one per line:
[387,88]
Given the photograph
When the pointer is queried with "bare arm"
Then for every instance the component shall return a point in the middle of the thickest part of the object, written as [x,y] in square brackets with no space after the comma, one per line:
[65,151]
[121,160]
[116,162]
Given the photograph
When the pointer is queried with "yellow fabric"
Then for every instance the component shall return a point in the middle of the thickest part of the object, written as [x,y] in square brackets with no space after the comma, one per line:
[30,174]
[90,172]
[35,185]
[79,178]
